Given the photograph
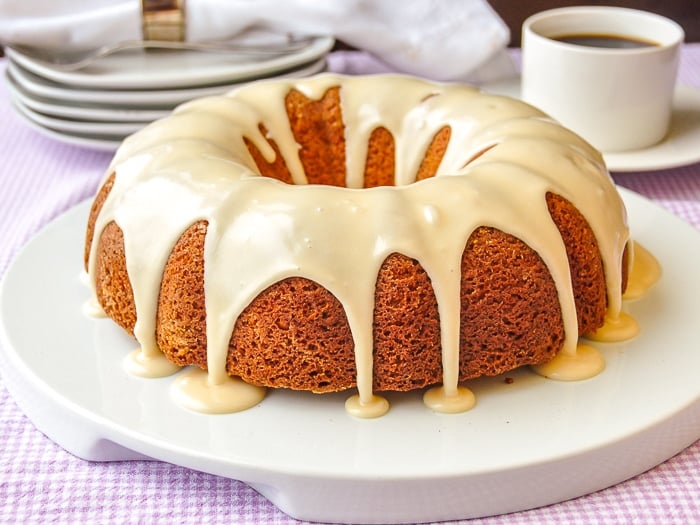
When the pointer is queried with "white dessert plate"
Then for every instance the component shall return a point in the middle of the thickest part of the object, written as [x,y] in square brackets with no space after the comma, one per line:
[107,143]
[153,69]
[103,127]
[78,110]
[527,443]
[681,146]
[85,127]
[134,98]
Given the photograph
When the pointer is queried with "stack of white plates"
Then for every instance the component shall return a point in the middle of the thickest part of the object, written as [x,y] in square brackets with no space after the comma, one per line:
[100,104]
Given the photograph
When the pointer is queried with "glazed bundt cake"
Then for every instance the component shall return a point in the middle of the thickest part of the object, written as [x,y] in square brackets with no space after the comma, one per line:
[382,232]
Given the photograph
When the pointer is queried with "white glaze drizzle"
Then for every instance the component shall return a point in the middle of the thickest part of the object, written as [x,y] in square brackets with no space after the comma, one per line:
[195,165]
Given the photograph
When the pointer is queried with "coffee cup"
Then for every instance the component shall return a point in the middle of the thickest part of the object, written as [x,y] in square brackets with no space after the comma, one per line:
[607,73]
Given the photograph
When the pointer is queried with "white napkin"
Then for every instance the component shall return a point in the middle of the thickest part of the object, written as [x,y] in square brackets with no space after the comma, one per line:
[437,39]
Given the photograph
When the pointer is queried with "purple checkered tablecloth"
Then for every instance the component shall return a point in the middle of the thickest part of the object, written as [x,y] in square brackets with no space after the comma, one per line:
[42,483]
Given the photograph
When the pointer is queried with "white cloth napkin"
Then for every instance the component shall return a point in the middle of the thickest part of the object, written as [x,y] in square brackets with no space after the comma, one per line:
[438,39]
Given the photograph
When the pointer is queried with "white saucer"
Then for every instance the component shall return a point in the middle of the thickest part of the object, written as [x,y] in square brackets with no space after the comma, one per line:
[159,69]
[527,443]
[681,146]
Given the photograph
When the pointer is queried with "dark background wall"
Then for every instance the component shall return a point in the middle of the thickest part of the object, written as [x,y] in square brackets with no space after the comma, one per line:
[514,12]
[685,12]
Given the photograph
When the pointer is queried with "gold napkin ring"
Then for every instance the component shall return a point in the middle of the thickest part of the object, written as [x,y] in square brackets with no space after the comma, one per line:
[163,20]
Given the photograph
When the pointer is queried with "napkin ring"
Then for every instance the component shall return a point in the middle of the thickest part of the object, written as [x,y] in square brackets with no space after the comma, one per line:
[163,20]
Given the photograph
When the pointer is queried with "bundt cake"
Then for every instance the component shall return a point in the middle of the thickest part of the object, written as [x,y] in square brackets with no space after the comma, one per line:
[379,232]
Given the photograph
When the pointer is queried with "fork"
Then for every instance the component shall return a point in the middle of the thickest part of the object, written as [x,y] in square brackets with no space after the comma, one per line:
[75,60]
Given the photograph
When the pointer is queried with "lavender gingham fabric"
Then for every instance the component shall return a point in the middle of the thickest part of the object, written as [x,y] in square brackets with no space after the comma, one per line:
[41,483]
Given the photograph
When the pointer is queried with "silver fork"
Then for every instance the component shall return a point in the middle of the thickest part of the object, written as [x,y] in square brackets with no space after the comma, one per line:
[74,60]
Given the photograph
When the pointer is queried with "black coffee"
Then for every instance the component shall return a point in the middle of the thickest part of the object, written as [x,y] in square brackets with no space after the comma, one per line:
[607,41]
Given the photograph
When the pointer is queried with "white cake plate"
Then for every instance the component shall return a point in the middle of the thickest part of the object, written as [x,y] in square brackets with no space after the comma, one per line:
[527,443]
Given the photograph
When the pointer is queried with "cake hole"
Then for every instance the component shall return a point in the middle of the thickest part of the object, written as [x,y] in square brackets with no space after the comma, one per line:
[319,130]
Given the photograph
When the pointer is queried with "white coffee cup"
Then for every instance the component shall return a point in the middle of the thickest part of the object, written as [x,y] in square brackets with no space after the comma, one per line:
[617,99]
